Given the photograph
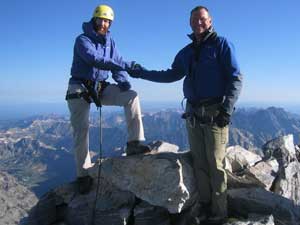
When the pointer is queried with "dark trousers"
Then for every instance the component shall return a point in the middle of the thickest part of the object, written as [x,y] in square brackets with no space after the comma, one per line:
[208,144]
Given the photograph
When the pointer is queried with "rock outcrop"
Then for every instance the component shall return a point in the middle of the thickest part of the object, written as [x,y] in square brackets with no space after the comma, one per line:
[288,182]
[281,148]
[159,188]
[243,202]
[164,179]
[239,158]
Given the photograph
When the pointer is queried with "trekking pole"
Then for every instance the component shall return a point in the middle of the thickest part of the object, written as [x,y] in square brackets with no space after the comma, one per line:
[99,167]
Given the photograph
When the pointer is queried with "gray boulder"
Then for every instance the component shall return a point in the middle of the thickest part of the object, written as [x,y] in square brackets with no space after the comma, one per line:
[242,181]
[239,158]
[142,187]
[64,204]
[146,214]
[244,201]
[263,172]
[288,182]
[164,180]
[281,148]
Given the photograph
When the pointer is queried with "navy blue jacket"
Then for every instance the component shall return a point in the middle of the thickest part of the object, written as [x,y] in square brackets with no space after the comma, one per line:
[95,55]
[211,71]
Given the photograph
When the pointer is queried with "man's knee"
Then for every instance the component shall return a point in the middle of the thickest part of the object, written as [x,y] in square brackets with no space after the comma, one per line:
[132,94]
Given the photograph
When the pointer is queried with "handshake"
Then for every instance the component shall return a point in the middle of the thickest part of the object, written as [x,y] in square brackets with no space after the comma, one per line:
[134,69]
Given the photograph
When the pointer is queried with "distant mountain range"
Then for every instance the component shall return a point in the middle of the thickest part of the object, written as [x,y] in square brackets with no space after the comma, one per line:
[38,150]
[251,128]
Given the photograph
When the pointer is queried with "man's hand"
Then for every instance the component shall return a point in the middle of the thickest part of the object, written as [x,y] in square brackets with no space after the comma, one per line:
[222,119]
[124,86]
[135,69]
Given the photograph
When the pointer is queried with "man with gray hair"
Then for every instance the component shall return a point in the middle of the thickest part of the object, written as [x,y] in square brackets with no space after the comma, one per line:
[212,84]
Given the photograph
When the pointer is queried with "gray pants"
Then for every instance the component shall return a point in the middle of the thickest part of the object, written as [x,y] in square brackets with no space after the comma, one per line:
[79,117]
[208,144]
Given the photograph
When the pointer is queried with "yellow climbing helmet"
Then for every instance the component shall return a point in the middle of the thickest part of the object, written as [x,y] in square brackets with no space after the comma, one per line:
[104,12]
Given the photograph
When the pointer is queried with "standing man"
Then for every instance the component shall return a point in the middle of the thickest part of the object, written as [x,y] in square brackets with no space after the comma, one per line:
[212,84]
[95,55]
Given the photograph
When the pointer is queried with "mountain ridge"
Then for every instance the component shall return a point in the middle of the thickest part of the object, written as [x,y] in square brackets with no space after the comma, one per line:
[36,148]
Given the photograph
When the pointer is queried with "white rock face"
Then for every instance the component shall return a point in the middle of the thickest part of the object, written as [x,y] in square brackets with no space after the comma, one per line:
[165,179]
[281,148]
[161,146]
[240,158]
[288,183]
[263,172]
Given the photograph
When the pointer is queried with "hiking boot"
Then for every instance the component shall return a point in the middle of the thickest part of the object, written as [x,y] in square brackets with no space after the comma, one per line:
[84,184]
[136,147]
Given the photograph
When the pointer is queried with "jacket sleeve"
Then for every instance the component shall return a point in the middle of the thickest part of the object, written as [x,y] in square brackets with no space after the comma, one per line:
[90,55]
[175,73]
[233,76]
[118,75]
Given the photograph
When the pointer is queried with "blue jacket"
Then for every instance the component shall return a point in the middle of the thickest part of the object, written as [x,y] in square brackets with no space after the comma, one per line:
[211,71]
[95,55]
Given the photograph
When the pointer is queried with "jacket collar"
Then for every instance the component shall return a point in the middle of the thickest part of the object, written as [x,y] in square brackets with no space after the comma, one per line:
[209,34]
[88,30]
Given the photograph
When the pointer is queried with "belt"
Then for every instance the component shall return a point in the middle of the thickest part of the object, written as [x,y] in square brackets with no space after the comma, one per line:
[97,85]
[192,118]
[85,95]
[202,119]
[93,92]
[206,102]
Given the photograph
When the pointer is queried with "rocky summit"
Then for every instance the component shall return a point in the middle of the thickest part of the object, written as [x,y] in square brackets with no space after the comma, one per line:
[159,188]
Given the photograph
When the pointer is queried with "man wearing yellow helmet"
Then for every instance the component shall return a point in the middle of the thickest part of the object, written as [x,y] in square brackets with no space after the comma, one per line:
[103,16]
[94,56]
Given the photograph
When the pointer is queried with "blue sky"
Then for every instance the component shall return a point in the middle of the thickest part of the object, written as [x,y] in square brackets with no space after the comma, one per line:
[37,40]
